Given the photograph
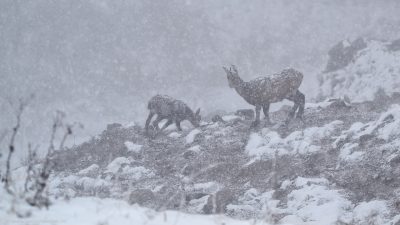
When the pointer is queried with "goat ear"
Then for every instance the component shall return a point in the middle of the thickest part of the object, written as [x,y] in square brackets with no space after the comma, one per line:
[198,111]
[234,69]
[226,70]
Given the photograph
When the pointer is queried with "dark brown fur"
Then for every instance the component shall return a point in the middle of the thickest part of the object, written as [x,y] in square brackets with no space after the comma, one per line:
[263,91]
[171,109]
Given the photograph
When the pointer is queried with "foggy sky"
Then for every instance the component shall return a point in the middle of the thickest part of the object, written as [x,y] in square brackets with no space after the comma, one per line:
[101,60]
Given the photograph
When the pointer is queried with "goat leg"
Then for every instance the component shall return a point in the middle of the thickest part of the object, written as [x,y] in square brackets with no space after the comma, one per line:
[155,122]
[301,101]
[151,114]
[178,125]
[266,113]
[257,121]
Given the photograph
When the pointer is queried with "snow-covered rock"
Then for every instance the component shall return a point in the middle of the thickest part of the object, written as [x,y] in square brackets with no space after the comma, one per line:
[315,203]
[386,127]
[90,171]
[253,204]
[192,135]
[117,164]
[136,173]
[373,212]
[133,147]
[174,135]
[263,173]
[270,144]
[370,68]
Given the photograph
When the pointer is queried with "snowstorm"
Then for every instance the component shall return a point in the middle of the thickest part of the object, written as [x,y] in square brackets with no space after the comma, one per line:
[203,112]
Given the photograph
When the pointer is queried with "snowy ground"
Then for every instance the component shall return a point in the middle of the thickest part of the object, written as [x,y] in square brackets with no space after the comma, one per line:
[95,211]
[344,165]
[338,166]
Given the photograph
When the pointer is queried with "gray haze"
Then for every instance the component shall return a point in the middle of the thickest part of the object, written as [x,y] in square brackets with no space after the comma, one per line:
[101,60]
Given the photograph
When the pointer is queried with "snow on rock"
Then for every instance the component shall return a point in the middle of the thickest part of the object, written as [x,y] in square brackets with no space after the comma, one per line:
[89,184]
[195,148]
[314,203]
[253,204]
[192,135]
[348,153]
[73,182]
[130,124]
[116,164]
[89,171]
[121,167]
[174,135]
[328,102]
[387,126]
[285,184]
[197,205]
[136,173]
[371,69]
[133,147]
[373,212]
[270,144]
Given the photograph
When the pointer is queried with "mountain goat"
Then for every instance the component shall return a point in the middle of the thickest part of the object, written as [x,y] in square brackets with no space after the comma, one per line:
[263,91]
[171,109]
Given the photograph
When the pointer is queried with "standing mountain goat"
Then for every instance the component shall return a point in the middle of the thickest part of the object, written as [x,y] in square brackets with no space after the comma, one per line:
[169,108]
[263,91]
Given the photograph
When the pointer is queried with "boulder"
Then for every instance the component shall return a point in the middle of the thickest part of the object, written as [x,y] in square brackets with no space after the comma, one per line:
[343,53]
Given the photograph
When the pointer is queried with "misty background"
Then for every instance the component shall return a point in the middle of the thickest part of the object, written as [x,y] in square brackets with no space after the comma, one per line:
[101,60]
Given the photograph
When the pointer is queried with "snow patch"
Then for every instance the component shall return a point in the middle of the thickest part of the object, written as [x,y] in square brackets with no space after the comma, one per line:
[269,143]
[192,135]
[314,199]
[133,147]
[116,164]
[253,204]
[175,135]
[95,211]
[195,148]
[91,170]
[137,173]
[373,212]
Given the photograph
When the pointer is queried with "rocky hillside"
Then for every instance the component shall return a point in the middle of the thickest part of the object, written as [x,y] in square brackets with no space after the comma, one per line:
[361,68]
[338,166]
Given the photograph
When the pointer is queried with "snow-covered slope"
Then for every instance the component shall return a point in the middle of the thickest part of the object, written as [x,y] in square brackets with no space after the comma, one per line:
[359,69]
[95,211]
[343,159]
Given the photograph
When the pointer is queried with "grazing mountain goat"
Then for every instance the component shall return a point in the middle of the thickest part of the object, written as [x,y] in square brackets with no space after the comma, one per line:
[263,91]
[169,108]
